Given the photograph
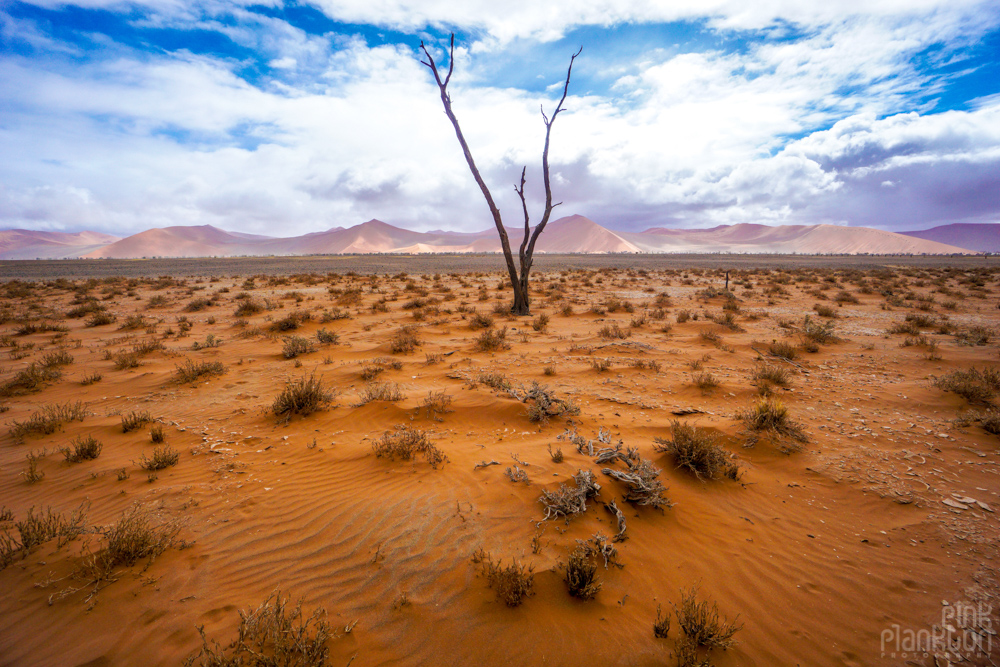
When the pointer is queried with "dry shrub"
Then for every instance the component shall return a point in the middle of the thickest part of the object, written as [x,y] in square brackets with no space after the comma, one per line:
[380,391]
[766,376]
[825,311]
[971,384]
[100,319]
[542,404]
[163,457]
[195,305]
[770,417]
[84,449]
[567,501]
[135,420]
[820,333]
[697,451]
[302,397]
[248,307]
[601,364]
[492,340]
[404,340]
[613,332]
[436,404]
[327,337]
[783,350]
[190,371]
[581,573]
[683,316]
[133,537]
[988,419]
[494,380]
[291,322]
[48,420]
[480,321]
[126,359]
[156,434]
[91,379]
[973,336]
[30,380]
[706,382]
[540,323]
[36,529]
[642,480]
[512,583]
[60,358]
[272,635]
[661,626]
[702,627]
[405,443]
[296,345]
[133,322]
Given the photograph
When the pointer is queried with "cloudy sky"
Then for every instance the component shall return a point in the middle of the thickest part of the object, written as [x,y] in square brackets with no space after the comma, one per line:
[283,118]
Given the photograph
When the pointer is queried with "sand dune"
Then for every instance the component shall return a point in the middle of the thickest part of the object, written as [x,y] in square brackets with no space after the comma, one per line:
[570,234]
[28,244]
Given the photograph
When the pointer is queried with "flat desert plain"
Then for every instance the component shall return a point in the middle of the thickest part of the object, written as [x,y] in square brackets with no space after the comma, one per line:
[801,469]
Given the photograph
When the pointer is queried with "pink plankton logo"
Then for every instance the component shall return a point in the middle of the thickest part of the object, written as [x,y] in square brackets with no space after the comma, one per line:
[965,632]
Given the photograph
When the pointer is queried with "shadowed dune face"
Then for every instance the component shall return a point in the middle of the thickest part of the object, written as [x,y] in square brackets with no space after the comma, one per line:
[885,507]
[571,234]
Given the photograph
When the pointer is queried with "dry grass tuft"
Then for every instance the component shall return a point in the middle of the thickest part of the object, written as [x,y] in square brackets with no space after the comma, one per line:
[380,391]
[436,404]
[190,371]
[405,443]
[581,573]
[512,583]
[296,345]
[697,451]
[36,529]
[48,420]
[163,457]
[492,340]
[135,420]
[84,449]
[702,627]
[302,397]
[30,380]
[770,417]
[272,635]
[972,384]
[404,340]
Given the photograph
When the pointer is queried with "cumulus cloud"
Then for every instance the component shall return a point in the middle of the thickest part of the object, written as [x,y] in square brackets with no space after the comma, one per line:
[807,128]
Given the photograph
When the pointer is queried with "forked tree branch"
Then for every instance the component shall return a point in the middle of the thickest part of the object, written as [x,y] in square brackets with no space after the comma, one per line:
[518,278]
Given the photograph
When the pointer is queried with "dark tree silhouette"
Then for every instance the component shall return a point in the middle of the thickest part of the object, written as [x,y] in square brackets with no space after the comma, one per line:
[520,272]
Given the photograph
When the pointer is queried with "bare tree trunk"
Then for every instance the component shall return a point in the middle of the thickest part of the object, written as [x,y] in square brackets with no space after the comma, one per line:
[519,275]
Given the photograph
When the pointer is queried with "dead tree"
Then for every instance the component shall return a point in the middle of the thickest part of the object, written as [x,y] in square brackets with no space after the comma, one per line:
[518,273]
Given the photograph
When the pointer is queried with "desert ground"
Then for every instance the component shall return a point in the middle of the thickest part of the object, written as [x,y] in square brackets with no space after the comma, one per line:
[387,468]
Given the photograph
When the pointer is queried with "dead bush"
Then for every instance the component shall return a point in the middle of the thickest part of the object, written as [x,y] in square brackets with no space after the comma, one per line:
[48,420]
[296,345]
[436,404]
[783,350]
[702,625]
[405,443]
[380,391]
[581,573]
[971,384]
[568,501]
[272,635]
[302,397]
[84,449]
[492,340]
[404,340]
[512,583]
[162,458]
[697,451]
[190,371]
[30,380]
[135,420]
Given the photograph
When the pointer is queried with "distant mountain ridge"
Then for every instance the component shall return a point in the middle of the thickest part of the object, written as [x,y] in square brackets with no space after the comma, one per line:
[982,237]
[571,234]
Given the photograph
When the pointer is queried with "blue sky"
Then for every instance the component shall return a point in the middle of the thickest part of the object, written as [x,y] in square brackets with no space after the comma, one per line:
[283,118]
